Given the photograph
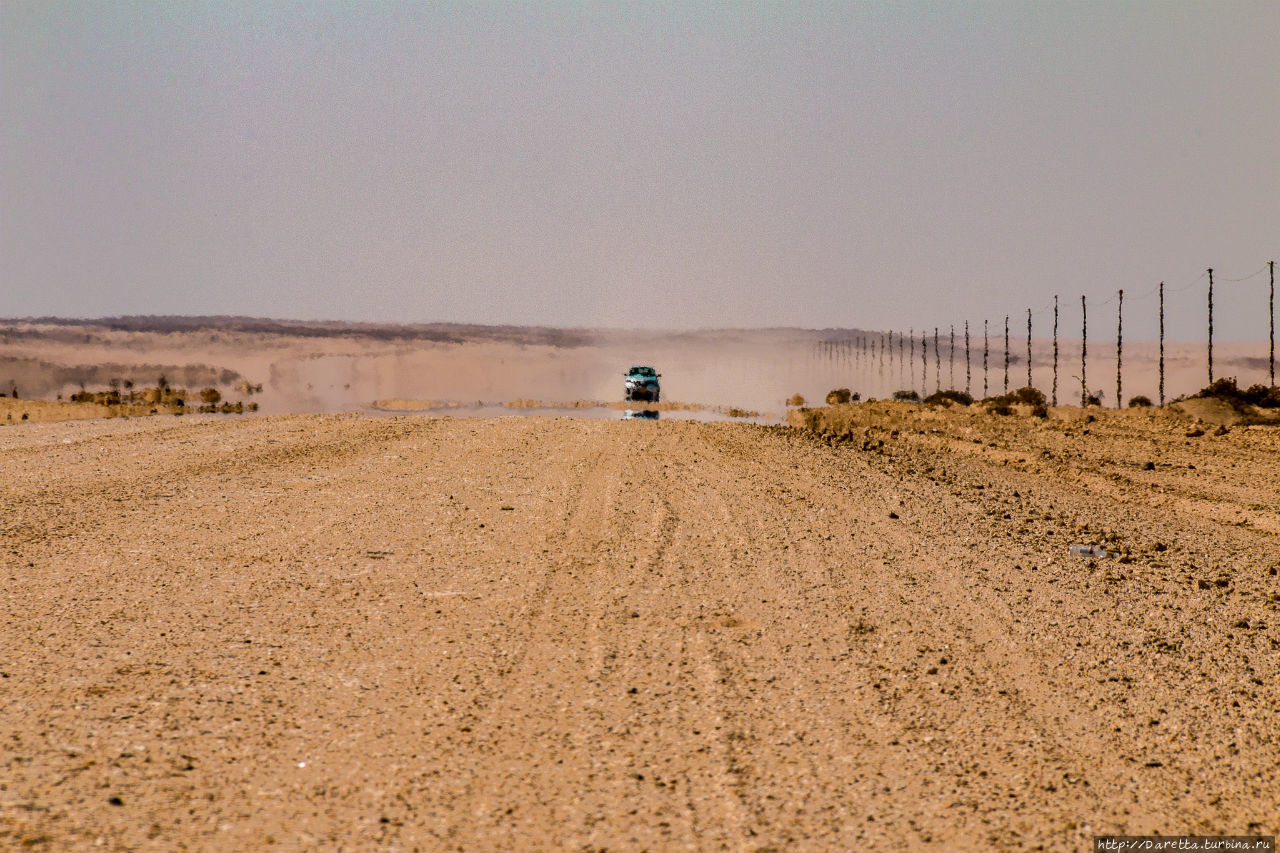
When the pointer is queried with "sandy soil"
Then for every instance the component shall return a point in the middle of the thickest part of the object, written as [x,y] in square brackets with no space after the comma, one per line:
[416,633]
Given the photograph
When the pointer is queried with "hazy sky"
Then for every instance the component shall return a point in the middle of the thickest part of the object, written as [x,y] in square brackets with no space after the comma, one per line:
[677,164]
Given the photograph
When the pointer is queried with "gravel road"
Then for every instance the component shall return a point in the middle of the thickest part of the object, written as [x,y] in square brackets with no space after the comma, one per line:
[417,633]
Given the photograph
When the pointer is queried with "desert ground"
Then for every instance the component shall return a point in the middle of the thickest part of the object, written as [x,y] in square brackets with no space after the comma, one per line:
[400,633]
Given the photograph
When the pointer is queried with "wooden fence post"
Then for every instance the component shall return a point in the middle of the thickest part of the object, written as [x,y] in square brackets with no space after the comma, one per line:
[937,361]
[1084,352]
[912,359]
[968,376]
[1006,353]
[1029,384]
[1055,349]
[1119,349]
[1210,325]
[985,348]
[951,360]
[924,363]
[1162,344]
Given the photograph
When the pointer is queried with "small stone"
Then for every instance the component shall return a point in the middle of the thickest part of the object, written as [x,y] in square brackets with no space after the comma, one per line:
[116,801]
[1148,466]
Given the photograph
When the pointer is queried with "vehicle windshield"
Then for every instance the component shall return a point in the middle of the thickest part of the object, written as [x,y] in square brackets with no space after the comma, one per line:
[642,371]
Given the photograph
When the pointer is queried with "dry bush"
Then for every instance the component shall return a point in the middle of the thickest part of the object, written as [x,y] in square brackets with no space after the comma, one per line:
[1227,390]
[1028,396]
[795,400]
[946,398]
[836,396]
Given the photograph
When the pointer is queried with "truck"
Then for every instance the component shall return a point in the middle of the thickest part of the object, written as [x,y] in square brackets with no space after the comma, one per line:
[641,383]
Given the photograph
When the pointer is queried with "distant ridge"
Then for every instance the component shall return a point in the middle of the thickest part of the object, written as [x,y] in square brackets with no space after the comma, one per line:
[456,333]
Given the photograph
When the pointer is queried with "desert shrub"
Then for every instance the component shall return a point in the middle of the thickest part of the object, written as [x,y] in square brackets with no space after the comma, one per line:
[1027,396]
[1222,389]
[1227,390]
[1263,396]
[735,412]
[906,396]
[946,398]
[1140,402]
[210,396]
[1093,399]
[839,395]
[253,407]
[1030,396]
[795,400]
[1039,411]
[1003,405]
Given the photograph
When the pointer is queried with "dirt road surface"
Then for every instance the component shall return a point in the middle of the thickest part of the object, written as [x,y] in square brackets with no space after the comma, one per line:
[334,632]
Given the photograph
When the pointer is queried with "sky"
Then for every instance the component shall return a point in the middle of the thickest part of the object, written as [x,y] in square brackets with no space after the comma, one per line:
[677,165]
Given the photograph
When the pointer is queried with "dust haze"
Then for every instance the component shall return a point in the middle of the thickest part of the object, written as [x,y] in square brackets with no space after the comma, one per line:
[334,367]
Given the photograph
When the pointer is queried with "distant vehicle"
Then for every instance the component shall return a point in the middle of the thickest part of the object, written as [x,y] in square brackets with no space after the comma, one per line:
[641,383]
[640,415]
